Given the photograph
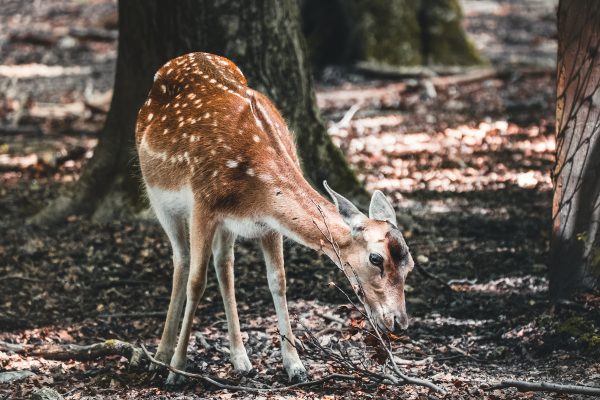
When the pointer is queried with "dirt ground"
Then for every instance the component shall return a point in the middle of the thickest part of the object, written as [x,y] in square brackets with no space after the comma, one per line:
[466,159]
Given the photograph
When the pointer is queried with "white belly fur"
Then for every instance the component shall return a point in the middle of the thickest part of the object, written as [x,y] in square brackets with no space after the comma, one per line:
[179,203]
[246,227]
[172,202]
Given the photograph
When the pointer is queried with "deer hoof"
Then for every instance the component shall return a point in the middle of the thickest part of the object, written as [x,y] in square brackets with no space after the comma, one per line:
[241,363]
[174,380]
[298,376]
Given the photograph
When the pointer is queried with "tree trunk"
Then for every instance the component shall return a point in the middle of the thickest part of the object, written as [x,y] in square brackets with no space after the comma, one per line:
[261,36]
[398,32]
[575,246]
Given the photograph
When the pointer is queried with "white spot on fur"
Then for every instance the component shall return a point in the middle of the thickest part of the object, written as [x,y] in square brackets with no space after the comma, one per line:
[231,163]
[163,88]
[150,116]
[266,178]
[250,171]
[256,138]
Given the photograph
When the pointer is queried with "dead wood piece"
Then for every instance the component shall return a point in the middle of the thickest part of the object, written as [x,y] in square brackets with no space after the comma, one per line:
[32,130]
[4,168]
[77,352]
[547,387]
[472,76]
[41,38]
[331,318]
[134,315]
[101,35]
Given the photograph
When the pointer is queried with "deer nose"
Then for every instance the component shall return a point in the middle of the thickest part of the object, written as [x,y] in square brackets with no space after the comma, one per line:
[401,324]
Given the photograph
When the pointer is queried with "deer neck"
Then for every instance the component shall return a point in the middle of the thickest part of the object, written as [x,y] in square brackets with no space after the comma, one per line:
[307,218]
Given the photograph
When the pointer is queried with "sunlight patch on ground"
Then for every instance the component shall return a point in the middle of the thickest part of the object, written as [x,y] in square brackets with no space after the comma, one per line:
[507,285]
[439,320]
[488,156]
[22,71]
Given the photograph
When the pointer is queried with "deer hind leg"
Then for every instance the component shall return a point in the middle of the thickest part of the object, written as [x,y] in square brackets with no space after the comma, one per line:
[174,225]
[202,230]
[272,247]
[223,258]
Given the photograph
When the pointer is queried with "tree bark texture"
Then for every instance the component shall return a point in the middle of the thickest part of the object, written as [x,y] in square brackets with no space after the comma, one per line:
[397,32]
[261,36]
[575,244]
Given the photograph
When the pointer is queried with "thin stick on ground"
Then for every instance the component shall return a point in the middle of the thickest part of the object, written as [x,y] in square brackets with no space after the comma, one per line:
[547,387]
[222,385]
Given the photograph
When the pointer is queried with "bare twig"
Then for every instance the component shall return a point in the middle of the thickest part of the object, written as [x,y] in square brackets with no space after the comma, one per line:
[222,385]
[140,314]
[547,387]
[331,318]
[22,278]
[404,379]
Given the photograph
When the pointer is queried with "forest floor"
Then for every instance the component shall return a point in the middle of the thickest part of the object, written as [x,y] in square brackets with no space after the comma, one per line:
[466,159]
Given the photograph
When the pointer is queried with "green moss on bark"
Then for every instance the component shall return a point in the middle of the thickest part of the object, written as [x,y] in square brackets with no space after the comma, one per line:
[444,40]
[389,31]
[396,32]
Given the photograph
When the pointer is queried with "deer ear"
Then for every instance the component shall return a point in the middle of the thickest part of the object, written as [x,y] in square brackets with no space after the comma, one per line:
[351,215]
[381,208]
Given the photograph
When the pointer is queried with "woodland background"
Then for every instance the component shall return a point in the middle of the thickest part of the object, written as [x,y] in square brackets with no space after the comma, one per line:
[465,153]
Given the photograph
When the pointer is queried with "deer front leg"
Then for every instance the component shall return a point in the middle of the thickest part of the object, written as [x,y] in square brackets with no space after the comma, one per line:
[223,259]
[201,235]
[272,247]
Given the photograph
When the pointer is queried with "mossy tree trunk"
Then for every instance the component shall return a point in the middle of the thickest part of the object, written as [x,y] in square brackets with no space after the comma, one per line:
[398,32]
[261,36]
[575,246]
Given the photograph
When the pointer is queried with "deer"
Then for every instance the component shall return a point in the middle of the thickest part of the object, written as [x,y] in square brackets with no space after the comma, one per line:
[218,162]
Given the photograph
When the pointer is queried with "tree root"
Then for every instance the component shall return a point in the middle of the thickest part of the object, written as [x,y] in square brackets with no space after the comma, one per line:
[523,386]
[77,352]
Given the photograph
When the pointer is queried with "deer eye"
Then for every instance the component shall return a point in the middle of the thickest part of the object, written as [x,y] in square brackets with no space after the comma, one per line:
[376,259]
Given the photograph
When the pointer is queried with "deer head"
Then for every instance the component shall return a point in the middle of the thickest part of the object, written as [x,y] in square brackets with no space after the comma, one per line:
[377,259]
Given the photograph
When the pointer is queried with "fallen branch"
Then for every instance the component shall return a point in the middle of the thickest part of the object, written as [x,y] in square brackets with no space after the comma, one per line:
[331,318]
[77,352]
[222,385]
[523,386]
[22,278]
[134,315]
